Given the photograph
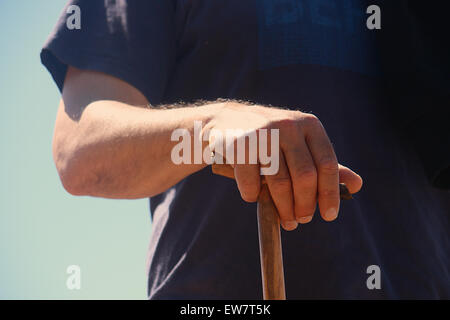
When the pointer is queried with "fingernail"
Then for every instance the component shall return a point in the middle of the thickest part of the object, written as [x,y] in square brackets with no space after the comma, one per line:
[331,214]
[289,225]
[306,219]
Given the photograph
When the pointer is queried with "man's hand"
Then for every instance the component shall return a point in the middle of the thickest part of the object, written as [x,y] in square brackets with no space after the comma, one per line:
[308,168]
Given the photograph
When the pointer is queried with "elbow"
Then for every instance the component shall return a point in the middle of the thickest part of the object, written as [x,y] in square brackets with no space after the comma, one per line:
[73,171]
[72,184]
[72,178]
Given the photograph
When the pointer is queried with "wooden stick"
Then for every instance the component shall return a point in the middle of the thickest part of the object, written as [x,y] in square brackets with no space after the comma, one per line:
[270,250]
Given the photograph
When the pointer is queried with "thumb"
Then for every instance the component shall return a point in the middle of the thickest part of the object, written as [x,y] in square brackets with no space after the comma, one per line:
[352,180]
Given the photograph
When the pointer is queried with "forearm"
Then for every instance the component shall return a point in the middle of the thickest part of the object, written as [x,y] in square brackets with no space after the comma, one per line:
[121,151]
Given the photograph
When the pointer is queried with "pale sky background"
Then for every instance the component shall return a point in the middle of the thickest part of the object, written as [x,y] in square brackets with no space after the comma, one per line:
[43,229]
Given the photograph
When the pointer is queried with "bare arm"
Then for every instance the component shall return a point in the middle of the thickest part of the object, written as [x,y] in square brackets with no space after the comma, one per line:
[108,143]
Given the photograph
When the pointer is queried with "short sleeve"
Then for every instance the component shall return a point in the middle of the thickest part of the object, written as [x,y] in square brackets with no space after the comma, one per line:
[133,40]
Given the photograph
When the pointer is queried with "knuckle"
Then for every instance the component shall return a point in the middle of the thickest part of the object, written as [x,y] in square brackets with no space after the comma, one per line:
[306,196]
[281,183]
[310,120]
[328,166]
[287,126]
[329,193]
[306,173]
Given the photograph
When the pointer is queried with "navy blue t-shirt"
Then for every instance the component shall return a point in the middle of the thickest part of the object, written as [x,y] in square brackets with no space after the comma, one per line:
[311,55]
